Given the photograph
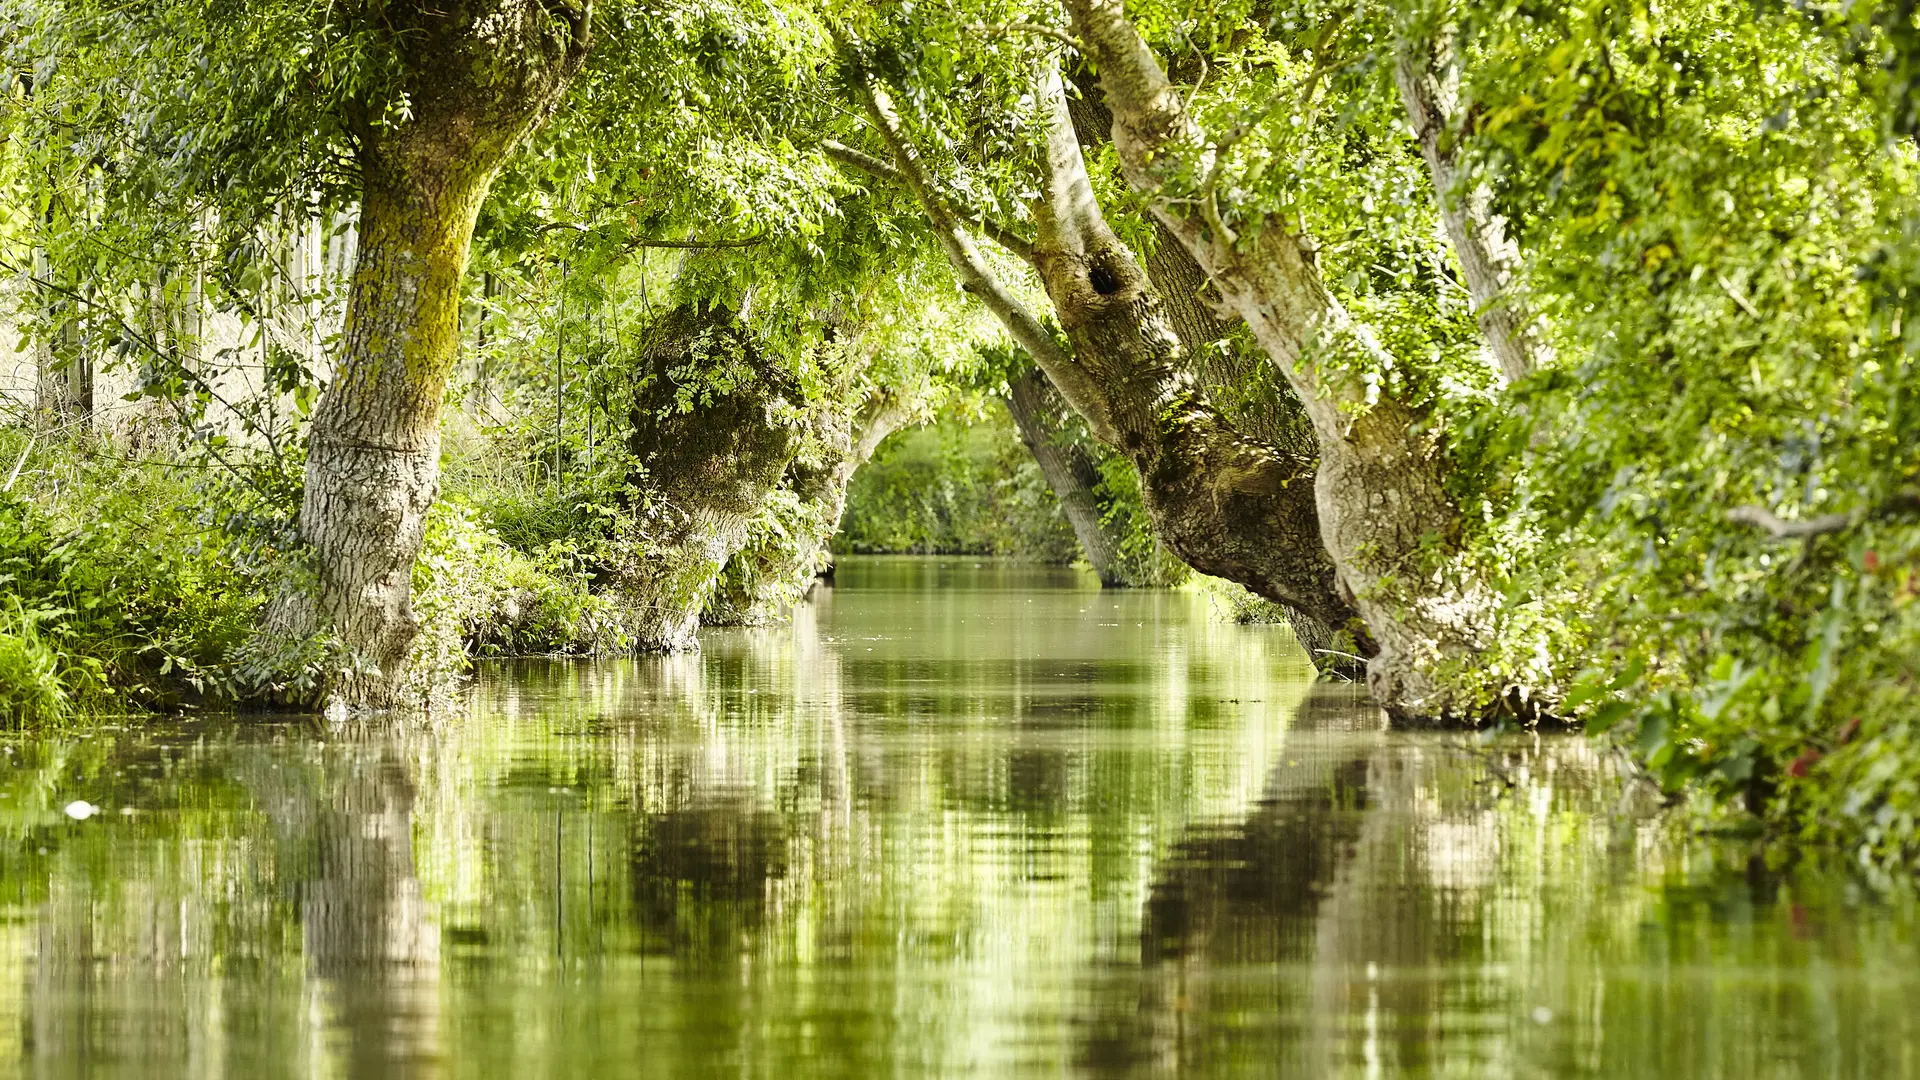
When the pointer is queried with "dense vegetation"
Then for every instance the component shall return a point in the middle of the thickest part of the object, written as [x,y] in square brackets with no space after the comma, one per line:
[1538,361]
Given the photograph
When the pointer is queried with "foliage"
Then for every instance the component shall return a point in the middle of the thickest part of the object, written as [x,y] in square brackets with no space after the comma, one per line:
[123,572]
[32,691]
[1146,561]
[955,488]
[1713,219]
[477,596]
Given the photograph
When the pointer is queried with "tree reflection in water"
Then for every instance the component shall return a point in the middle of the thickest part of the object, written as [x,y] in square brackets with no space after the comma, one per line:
[954,820]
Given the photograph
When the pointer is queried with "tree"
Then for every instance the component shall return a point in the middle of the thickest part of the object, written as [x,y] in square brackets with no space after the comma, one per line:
[1225,504]
[1381,485]
[477,77]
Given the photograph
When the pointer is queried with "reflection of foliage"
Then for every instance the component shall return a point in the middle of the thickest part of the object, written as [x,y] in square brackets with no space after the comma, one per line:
[701,875]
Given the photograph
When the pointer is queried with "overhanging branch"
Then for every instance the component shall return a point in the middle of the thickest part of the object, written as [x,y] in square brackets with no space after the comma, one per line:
[1779,528]
[873,166]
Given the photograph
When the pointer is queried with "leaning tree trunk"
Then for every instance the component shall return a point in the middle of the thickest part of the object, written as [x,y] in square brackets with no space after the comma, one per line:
[1038,410]
[1237,378]
[1226,505]
[479,77]
[1488,258]
[776,568]
[1382,504]
[704,472]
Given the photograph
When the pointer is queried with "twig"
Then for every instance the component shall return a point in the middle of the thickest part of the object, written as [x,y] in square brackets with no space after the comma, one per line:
[15,474]
[694,245]
[651,242]
[1746,305]
[1025,28]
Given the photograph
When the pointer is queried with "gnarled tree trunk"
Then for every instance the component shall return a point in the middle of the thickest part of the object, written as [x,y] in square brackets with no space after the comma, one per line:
[1225,504]
[772,572]
[480,74]
[1382,504]
[709,456]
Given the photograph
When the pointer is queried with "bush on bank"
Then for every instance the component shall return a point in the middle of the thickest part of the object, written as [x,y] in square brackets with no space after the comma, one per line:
[135,584]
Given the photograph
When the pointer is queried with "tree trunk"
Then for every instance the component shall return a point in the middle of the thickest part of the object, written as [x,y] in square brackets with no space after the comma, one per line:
[63,384]
[1235,375]
[1037,408]
[1227,505]
[1232,506]
[480,76]
[1382,505]
[1488,259]
[774,571]
[704,472]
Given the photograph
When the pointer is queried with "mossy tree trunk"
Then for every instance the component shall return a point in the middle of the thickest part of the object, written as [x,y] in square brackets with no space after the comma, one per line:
[776,567]
[480,75]
[1383,507]
[716,423]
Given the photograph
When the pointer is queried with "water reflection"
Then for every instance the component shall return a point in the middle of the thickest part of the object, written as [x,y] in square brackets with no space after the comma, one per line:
[960,818]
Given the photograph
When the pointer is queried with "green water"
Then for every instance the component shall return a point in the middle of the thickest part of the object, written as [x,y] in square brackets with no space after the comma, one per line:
[961,818]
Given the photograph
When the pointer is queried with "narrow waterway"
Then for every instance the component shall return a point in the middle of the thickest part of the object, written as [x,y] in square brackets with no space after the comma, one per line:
[961,818]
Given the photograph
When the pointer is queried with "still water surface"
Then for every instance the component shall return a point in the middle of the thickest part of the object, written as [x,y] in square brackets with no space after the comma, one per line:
[962,818]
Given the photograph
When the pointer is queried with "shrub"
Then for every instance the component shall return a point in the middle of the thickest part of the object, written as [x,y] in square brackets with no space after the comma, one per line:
[32,692]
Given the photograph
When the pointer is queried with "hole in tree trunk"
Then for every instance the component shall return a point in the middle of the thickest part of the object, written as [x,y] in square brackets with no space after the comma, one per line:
[1103,280]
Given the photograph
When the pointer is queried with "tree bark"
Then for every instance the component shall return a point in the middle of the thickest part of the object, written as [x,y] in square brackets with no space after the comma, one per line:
[1382,505]
[763,581]
[1227,505]
[1036,408]
[1232,506]
[480,75]
[705,470]
[1235,375]
[1488,258]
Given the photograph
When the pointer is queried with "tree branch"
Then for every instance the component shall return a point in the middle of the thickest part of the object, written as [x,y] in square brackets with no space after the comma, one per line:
[861,160]
[962,254]
[649,242]
[1036,29]
[873,166]
[1780,528]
